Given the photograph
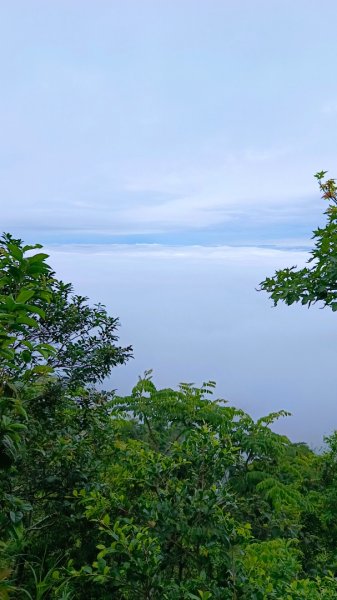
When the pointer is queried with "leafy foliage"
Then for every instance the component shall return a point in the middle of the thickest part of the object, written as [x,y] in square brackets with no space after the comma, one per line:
[316,283]
[53,329]
[165,494]
[84,337]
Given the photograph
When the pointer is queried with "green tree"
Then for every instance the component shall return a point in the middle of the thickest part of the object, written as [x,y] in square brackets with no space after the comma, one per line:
[83,337]
[52,343]
[318,281]
[25,282]
[181,492]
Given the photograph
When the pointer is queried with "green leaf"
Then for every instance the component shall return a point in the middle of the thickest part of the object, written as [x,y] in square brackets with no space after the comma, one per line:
[106,519]
[42,369]
[15,251]
[40,257]
[16,516]
[36,309]
[25,295]
[320,174]
[24,320]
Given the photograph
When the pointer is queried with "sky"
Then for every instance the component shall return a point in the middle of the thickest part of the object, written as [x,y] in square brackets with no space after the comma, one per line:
[164,151]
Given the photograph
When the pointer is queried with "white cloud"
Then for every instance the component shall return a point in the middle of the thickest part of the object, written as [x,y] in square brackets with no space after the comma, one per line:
[247,255]
[194,314]
[250,187]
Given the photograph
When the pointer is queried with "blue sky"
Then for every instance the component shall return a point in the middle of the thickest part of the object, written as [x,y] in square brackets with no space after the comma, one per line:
[183,125]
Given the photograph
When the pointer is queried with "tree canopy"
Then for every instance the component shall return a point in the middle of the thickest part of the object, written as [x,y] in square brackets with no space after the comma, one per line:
[318,281]
[55,329]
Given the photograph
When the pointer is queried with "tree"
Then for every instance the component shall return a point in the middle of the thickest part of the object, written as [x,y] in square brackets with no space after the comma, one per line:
[64,334]
[52,343]
[317,282]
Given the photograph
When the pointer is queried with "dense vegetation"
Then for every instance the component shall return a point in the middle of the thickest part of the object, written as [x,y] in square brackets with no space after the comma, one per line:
[164,494]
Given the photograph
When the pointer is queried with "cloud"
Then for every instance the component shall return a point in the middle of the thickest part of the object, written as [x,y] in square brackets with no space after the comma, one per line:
[193,313]
[245,189]
[329,108]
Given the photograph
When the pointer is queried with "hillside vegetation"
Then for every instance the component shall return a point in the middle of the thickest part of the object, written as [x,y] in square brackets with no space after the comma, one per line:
[165,494]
